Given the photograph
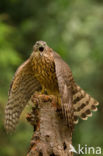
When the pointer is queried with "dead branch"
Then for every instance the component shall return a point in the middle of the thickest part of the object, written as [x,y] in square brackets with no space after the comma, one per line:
[51,135]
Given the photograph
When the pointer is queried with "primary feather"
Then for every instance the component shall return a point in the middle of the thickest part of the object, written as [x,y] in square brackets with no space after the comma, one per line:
[23,86]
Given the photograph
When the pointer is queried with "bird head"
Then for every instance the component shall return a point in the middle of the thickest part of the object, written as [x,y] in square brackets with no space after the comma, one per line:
[40,48]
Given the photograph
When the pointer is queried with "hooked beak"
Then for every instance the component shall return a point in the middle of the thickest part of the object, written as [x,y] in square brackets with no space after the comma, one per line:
[41,49]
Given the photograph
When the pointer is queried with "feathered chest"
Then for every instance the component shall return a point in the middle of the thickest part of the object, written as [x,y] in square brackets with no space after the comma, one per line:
[44,69]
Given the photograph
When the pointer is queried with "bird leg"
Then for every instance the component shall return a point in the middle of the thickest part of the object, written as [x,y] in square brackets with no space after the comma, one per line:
[45,98]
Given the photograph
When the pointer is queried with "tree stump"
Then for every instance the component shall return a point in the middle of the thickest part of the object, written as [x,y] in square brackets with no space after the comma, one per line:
[51,135]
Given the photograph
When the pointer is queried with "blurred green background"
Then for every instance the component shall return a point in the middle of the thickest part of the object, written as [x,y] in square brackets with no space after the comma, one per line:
[72,28]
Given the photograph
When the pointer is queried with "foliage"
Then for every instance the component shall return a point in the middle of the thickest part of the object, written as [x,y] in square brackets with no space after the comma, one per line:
[72,28]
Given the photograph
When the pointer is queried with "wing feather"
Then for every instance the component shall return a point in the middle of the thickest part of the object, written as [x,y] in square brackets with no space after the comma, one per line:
[83,104]
[64,77]
[23,85]
[73,98]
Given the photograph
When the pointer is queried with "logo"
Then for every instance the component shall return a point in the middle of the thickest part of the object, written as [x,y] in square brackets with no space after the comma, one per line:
[86,150]
[72,149]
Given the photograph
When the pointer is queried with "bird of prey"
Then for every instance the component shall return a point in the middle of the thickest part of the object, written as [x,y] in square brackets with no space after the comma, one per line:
[46,70]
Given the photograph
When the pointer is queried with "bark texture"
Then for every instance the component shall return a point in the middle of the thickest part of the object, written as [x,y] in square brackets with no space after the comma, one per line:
[51,135]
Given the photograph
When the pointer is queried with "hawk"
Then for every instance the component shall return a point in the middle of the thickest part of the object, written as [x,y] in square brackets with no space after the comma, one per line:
[46,70]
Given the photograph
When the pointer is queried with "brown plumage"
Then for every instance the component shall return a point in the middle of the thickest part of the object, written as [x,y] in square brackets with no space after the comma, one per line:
[46,70]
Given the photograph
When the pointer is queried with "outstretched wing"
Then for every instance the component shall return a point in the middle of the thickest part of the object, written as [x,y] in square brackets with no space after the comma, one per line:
[76,103]
[23,86]
[64,77]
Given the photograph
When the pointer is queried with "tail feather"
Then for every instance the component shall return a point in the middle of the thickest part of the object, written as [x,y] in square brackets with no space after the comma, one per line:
[83,104]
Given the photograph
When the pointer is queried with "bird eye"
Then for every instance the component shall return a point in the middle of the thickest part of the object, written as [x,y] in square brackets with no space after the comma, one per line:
[41,49]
